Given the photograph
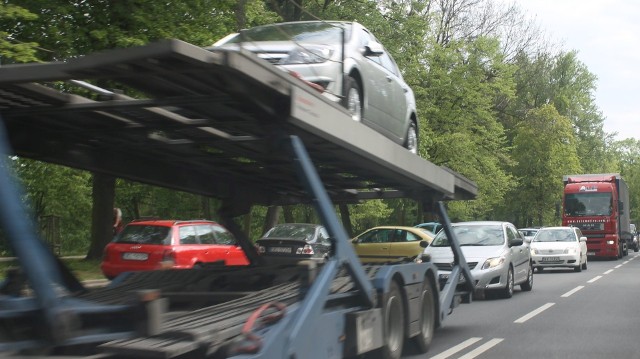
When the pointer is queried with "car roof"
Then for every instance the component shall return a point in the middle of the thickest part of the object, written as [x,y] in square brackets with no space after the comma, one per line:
[395,227]
[556,228]
[479,223]
[167,222]
[298,224]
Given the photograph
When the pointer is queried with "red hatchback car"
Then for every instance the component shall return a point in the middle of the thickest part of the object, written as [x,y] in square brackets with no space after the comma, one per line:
[163,244]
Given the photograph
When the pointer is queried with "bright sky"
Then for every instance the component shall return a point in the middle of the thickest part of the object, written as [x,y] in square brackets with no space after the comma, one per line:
[606,34]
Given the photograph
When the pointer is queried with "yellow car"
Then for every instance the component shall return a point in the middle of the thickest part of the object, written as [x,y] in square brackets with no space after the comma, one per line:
[391,243]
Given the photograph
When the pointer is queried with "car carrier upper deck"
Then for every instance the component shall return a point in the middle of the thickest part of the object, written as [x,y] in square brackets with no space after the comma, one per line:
[228,125]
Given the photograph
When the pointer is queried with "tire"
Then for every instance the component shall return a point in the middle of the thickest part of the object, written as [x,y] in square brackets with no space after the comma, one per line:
[636,247]
[507,291]
[411,140]
[584,265]
[528,284]
[394,325]
[577,268]
[540,269]
[352,100]
[427,318]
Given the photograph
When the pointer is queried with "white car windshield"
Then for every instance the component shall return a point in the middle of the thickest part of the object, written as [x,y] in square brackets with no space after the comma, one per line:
[555,236]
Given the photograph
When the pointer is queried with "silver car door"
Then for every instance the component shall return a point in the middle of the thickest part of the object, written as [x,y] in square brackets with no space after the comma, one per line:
[518,255]
[376,88]
[397,107]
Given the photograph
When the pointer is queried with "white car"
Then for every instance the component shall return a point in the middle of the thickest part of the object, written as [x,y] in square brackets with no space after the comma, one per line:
[494,251]
[559,247]
[528,233]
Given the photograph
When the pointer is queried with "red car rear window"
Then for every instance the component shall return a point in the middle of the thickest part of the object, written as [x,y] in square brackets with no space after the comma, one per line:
[145,234]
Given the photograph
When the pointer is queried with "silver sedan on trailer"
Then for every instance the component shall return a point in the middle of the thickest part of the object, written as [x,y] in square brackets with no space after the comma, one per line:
[364,77]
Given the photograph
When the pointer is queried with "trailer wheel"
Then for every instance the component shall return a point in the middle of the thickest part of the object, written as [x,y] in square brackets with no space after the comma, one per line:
[427,318]
[352,100]
[393,311]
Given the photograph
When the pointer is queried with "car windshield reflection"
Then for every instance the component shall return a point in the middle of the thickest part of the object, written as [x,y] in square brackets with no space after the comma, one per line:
[476,235]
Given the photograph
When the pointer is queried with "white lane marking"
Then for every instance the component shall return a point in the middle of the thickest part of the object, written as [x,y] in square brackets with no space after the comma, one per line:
[449,352]
[609,271]
[618,266]
[625,262]
[481,349]
[533,313]
[594,279]
[572,291]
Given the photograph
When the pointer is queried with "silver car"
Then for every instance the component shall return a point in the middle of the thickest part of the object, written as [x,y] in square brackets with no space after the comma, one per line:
[495,253]
[364,78]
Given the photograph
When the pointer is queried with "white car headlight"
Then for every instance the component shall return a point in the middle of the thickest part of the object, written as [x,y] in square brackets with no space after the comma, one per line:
[570,250]
[534,251]
[493,262]
[309,54]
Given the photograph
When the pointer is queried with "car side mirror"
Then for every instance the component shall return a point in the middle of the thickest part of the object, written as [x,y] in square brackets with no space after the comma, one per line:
[515,242]
[583,239]
[373,49]
[424,244]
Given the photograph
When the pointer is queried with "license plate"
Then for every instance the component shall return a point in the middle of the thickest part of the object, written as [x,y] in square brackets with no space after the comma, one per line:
[591,253]
[131,256]
[280,249]
[550,259]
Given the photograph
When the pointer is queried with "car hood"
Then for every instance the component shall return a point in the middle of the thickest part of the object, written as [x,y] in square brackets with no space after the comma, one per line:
[553,245]
[471,253]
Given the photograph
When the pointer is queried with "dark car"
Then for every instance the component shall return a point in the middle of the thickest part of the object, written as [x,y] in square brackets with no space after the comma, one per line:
[347,63]
[291,242]
[433,227]
[170,244]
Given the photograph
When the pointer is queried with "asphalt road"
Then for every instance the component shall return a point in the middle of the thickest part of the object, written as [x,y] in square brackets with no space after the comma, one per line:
[592,314]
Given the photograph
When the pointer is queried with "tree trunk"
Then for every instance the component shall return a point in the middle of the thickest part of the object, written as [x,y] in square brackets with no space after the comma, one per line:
[288,214]
[101,214]
[346,219]
[273,213]
[206,207]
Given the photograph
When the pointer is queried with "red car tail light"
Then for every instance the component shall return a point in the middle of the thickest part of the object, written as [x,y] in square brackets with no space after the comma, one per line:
[168,259]
[307,249]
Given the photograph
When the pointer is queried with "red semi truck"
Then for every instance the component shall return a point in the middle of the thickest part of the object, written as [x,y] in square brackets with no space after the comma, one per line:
[598,205]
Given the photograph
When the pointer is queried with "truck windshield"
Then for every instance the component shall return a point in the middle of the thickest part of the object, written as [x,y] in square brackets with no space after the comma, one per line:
[587,204]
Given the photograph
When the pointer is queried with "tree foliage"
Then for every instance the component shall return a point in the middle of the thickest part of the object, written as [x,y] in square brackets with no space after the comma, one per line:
[496,101]
[544,151]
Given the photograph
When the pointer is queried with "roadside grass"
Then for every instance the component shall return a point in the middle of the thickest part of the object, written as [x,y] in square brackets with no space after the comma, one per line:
[81,268]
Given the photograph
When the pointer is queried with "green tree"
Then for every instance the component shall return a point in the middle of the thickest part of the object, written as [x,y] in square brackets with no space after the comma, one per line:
[463,83]
[12,47]
[545,150]
[59,191]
